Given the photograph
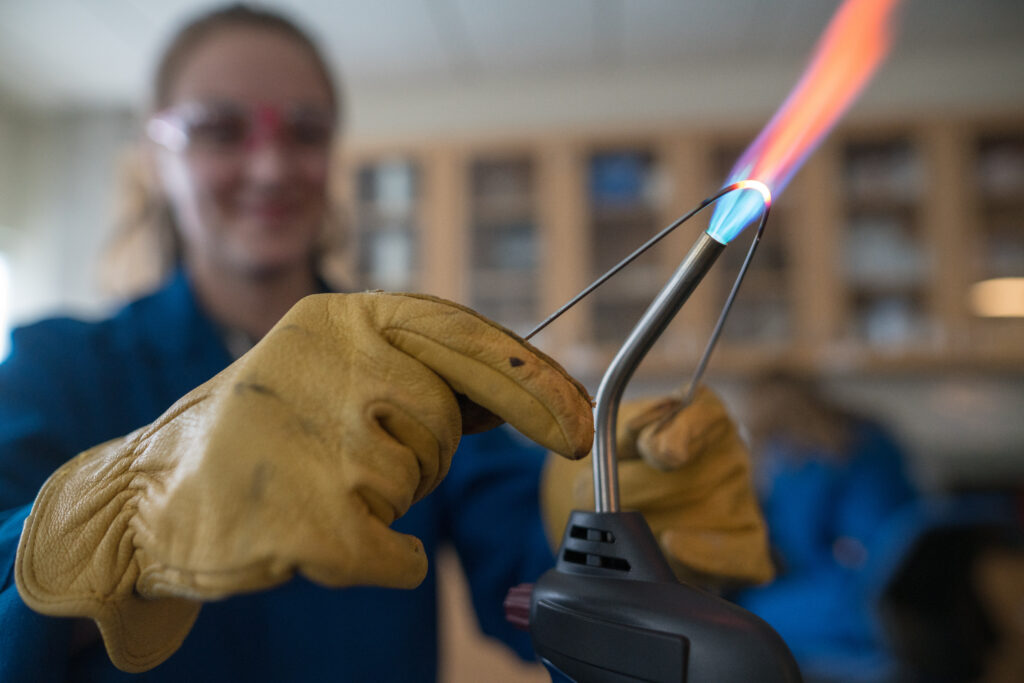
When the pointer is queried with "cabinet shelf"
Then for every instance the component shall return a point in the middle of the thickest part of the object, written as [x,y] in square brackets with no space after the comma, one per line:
[502,280]
[876,287]
[626,214]
[865,263]
[1003,204]
[503,236]
[387,224]
[997,242]
[373,215]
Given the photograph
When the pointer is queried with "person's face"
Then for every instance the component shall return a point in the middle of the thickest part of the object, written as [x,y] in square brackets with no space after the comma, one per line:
[249,186]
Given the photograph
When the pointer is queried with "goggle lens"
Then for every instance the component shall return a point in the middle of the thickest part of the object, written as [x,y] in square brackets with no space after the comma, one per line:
[222,127]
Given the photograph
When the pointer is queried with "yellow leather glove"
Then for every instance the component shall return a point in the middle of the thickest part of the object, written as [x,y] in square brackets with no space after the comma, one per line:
[295,459]
[687,470]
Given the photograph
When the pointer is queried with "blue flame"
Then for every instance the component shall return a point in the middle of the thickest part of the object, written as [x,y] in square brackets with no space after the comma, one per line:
[737,209]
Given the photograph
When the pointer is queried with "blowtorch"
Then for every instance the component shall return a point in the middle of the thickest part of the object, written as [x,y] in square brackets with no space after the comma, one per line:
[612,609]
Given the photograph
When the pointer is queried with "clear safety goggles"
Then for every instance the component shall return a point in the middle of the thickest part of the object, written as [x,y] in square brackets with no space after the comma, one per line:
[230,127]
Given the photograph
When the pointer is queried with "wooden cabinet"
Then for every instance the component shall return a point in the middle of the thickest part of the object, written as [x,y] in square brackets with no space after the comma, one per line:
[762,324]
[868,259]
[994,249]
[388,225]
[503,241]
[622,212]
[887,259]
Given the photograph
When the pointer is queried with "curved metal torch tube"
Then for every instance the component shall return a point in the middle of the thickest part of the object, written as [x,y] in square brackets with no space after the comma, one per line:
[654,321]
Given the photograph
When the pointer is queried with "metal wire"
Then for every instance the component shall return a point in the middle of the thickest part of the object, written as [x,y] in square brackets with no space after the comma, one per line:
[641,250]
[702,364]
[655,319]
[645,333]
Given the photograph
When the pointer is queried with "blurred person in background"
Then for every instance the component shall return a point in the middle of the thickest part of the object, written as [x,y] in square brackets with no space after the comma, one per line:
[829,482]
[244,464]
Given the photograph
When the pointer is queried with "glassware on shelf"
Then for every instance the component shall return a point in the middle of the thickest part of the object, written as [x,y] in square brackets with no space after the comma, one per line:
[887,265]
[501,188]
[504,240]
[880,251]
[894,320]
[624,190]
[396,186]
[886,171]
[1003,253]
[763,319]
[999,170]
[387,224]
[505,246]
[622,178]
[762,315]
[999,184]
[389,258]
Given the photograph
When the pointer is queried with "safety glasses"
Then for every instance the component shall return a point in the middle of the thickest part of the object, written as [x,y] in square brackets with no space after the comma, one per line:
[221,127]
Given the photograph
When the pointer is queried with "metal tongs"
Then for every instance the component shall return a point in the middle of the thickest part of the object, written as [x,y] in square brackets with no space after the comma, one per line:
[652,324]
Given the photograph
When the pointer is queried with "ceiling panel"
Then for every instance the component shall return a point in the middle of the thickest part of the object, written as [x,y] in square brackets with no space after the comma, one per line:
[59,52]
[517,36]
[382,40]
[936,24]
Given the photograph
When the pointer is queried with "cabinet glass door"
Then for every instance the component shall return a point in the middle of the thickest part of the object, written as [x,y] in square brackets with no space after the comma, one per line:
[387,225]
[504,243]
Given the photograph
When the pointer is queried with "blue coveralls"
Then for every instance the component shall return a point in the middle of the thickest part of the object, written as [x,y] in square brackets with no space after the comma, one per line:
[69,385]
[826,516]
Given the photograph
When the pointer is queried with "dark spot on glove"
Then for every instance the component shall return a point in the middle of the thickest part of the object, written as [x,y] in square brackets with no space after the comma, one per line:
[242,387]
[516,362]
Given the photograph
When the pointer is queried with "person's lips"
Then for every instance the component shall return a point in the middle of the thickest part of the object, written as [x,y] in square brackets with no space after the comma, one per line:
[269,209]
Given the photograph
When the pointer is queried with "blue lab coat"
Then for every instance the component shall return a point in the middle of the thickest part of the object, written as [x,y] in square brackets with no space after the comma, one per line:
[826,515]
[69,385]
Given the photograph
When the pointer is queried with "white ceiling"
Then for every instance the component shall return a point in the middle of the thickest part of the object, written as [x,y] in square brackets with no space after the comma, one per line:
[58,53]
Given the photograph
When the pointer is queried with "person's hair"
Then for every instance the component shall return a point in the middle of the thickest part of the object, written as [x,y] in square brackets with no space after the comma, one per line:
[792,407]
[145,246]
[196,31]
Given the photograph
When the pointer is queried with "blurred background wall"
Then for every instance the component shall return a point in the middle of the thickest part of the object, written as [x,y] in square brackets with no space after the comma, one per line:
[438,79]
[73,78]
[73,84]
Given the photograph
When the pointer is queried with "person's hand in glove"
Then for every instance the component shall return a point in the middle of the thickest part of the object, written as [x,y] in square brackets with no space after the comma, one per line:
[293,460]
[687,470]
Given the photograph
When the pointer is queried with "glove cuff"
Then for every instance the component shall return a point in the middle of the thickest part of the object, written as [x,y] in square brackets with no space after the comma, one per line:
[140,633]
[63,569]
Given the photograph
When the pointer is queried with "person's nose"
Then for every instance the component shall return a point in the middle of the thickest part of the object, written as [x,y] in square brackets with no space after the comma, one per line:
[268,162]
